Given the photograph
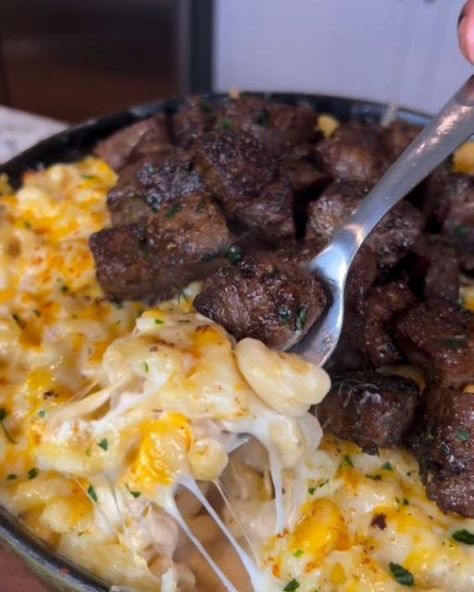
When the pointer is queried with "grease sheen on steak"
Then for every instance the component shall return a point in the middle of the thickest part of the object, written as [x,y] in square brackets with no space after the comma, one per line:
[262,297]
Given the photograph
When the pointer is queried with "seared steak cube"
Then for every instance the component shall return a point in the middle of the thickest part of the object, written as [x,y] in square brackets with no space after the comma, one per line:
[195,118]
[124,267]
[244,181]
[390,240]
[263,297]
[369,408]
[449,201]
[397,136]
[445,189]
[372,327]
[234,166]
[275,125]
[436,267]
[271,216]
[153,261]
[149,137]
[361,276]
[143,188]
[443,443]
[438,335]
[355,152]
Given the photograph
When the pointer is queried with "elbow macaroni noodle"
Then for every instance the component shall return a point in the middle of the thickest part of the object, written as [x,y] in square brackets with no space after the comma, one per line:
[104,407]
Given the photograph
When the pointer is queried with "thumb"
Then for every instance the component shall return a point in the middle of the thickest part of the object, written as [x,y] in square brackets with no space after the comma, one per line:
[466,30]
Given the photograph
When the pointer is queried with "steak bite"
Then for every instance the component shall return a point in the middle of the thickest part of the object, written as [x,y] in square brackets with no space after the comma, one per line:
[449,202]
[371,328]
[243,179]
[276,126]
[436,268]
[438,335]
[156,259]
[263,297]
[149,137]
[397,136]
[143,188]
[195,118]
[355,152]
[390,240]
[443,444]
[445,189]
[369,408]
[361,276]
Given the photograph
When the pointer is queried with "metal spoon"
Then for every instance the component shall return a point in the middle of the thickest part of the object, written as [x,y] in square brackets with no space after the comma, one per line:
[450,128]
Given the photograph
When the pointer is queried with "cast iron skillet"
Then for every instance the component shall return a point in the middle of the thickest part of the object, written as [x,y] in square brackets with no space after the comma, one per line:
[55,571]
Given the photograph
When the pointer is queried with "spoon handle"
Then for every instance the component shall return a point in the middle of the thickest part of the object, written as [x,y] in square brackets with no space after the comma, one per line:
[450,128]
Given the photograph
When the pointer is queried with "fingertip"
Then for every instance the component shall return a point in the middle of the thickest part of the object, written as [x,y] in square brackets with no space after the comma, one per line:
[466,30]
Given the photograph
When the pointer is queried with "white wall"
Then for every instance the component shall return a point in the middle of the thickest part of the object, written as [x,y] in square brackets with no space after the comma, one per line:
[384,50]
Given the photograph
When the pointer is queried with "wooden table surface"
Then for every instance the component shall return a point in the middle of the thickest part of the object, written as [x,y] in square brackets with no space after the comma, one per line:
[14,575]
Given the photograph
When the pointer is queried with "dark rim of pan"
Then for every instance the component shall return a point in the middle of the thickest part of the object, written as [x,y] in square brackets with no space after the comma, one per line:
[69,146]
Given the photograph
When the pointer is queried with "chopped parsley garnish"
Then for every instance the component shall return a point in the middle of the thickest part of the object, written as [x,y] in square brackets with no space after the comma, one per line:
[42,413]
[159,322]
[347,460]
[27,224]
[135,494]
[104,444]
[92,493]
[464,536]
[463,435]
[3,415]
[263,117]
[313,488]
[224,123]
[301,317]
[173,210]
[374,477]
[452,343]
[143,246]
[461,231]
[36,312]
[291,586]
[401,575]
[33,473]
[402,502]
[387,466]
[88,177]
[298,553]
[146,366]
[284,313]
[11,477]
[65,289]
[233,254]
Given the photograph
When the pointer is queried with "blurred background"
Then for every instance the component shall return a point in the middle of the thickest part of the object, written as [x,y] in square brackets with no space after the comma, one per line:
[72,59]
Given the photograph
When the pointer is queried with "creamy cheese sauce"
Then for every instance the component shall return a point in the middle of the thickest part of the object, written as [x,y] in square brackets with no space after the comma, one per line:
[105,407]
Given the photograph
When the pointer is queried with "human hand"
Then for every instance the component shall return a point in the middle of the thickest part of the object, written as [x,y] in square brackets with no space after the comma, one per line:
[466,30]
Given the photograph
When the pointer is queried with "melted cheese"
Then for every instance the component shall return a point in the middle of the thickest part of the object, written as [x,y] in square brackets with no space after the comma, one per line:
[105,408]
